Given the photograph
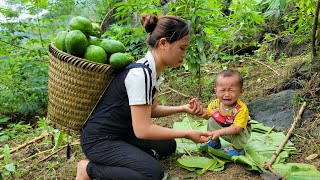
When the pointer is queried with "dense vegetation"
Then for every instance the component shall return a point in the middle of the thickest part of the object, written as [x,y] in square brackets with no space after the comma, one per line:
[222,31]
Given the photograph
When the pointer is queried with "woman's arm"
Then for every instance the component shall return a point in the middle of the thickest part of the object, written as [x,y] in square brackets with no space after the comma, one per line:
[161,111]
[144,129]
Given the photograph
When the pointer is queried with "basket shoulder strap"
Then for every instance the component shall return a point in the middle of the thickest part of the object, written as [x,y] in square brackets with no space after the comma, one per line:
[138,65]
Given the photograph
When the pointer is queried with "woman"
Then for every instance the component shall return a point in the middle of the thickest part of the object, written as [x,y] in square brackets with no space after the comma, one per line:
[119,138]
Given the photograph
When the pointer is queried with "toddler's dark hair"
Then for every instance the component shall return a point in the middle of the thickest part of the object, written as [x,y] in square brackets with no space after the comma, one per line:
[231,72]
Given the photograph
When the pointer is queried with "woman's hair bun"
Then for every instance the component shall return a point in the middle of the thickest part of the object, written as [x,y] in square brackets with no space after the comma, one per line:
[149,21]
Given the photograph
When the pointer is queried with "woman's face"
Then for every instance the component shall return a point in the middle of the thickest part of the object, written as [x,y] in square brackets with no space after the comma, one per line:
[175,52]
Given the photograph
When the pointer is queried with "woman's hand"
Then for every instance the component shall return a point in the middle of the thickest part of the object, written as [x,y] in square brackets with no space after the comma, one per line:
[199,136]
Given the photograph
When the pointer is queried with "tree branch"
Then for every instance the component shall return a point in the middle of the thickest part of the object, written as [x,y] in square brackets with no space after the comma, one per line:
[17,46]
[178,92]
[268,165]
[314,30]
[25,144]
[264,65]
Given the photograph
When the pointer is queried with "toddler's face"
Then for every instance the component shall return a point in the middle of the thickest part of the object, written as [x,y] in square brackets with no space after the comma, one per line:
[228,90]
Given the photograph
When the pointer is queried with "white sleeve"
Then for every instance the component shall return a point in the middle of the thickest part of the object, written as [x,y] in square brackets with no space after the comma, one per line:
[138,84]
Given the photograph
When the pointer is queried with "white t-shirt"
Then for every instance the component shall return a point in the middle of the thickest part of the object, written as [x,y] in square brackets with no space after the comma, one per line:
[141,88]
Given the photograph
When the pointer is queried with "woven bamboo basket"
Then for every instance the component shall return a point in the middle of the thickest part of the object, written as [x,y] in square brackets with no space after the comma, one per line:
[75,86]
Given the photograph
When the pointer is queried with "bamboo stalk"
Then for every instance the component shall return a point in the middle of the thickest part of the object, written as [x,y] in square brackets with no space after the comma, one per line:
[167,92]
[55,152]
[25,144]
[268,165]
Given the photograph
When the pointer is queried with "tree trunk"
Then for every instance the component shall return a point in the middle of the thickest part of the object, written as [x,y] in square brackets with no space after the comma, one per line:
[314,30]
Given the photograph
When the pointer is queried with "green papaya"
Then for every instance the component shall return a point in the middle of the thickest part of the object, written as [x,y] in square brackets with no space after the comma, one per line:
[93,40]
[120,60]
[60,41]
[76,43]
[96,54]
[82,24]
[112,46]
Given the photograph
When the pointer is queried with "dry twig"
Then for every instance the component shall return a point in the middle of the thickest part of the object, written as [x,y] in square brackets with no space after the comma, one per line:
[25,144]
[167,92]
[264,65]
[178,92]
[55,152]
[268,165]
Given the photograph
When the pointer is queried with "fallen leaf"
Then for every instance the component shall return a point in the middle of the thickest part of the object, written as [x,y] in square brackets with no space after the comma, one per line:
[312,156]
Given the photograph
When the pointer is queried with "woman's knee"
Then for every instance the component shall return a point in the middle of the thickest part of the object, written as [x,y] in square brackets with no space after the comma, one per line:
[155,171]
[168,149]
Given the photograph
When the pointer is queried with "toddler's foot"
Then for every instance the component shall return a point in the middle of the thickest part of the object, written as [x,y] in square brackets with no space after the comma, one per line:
[82,170]
[211,143]
[231,151]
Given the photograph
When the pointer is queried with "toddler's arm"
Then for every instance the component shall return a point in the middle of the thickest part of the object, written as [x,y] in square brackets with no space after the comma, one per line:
[231,130]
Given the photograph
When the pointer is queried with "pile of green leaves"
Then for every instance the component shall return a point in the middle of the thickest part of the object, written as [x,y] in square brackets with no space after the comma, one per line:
[259,150]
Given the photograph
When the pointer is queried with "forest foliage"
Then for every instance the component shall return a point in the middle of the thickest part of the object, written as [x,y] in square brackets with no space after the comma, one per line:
[222,30]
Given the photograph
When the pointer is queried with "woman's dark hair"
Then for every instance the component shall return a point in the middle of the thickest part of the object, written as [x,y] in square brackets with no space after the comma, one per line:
[170,27]
[230,73]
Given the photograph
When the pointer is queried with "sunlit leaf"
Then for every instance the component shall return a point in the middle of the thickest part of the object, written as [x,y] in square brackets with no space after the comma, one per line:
[10,167]
[4,120]
[283,4]
[6,153]
[199,41]
[58,139]
[297,171]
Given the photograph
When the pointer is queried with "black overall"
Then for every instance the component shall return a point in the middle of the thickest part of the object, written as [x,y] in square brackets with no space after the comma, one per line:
[108,140]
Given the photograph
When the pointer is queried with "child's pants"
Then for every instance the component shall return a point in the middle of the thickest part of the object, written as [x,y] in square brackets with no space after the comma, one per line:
[238,141]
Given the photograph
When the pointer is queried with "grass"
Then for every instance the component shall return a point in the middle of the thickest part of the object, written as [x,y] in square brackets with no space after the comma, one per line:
[37,161]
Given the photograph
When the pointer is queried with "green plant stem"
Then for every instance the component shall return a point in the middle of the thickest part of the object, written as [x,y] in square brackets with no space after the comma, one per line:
[39,27]
[186,150]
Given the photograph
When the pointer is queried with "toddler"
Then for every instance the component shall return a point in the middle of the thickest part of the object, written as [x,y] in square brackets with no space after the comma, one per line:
[227,115]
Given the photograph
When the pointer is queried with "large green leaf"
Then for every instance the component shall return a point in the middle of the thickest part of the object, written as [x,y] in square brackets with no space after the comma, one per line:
[185,146]
[259,127]
[297,171]
[198,164]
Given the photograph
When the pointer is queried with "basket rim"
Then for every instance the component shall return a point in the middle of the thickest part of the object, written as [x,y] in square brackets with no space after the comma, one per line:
[71,59]
[52,46]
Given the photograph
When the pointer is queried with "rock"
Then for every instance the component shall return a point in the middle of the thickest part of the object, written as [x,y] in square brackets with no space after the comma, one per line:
[270,176]
[277,110]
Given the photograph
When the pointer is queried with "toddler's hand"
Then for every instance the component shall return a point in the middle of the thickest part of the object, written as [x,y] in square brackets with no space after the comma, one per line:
[214,135]
[196,107]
